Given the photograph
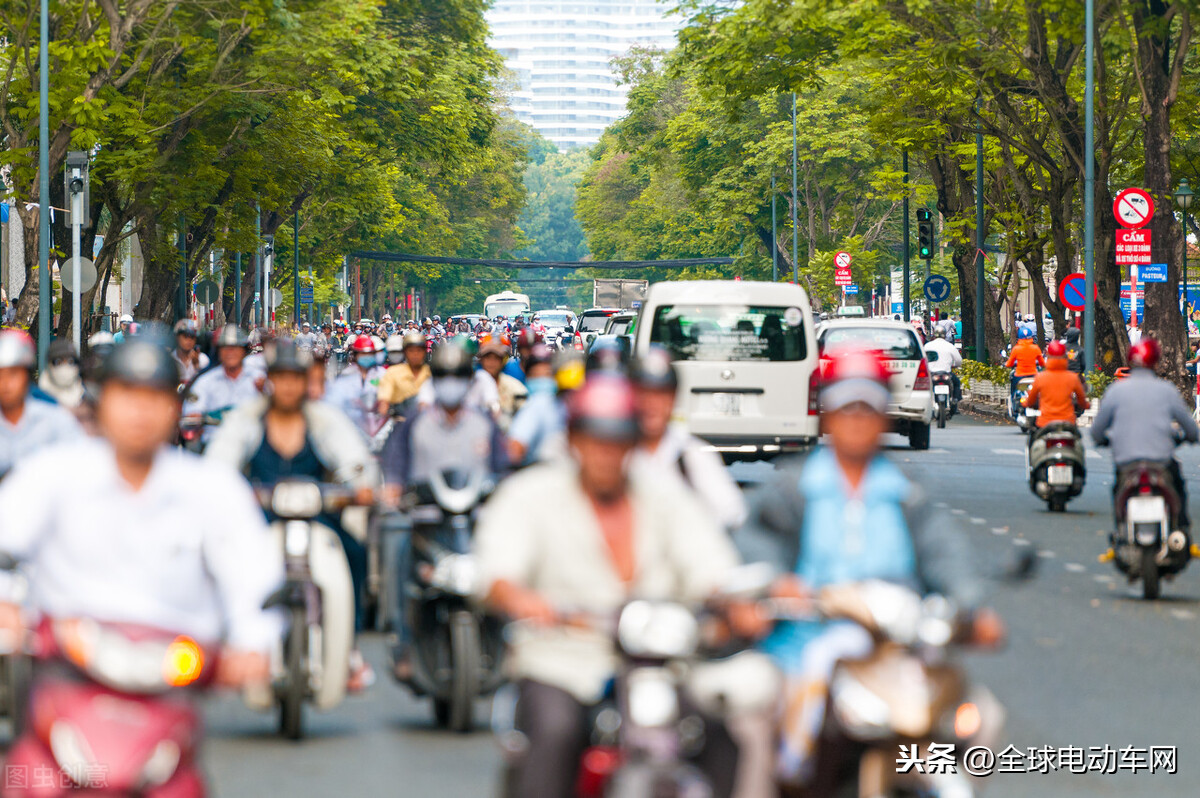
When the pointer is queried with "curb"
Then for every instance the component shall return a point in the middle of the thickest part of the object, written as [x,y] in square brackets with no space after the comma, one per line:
[983,409]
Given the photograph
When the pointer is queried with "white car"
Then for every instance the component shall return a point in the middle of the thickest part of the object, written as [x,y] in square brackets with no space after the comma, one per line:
[911,408]
[592,323]
[746,357]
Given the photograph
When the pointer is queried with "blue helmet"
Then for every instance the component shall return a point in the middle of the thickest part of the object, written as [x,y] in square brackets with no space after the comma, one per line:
[1024,332]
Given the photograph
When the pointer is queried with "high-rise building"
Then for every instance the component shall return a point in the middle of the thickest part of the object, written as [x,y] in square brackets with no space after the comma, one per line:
[561,53]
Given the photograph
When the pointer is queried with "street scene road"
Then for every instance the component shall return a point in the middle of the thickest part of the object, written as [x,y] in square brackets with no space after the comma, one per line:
[1088,662]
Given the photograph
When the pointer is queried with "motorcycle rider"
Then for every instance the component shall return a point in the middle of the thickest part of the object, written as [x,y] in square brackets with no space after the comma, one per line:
[450,435]
[228,384]
[1058,391]
[403,380]
[843,514]
[584,536]
[183,545]
[515,367]
[283,435]
[1025,358]
[306,339]
[26,424]
[948,359]
[671,447]
[125,322]
[1074,350]
[190,359]
[61,378]
[494,390]
[354,390]
[1136,419]
[538,430]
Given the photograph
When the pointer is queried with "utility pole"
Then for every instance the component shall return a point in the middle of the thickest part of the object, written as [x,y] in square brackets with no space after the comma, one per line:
[1089,199]
[258,298]
[774,237]
[44,310]
[795,226]
[237,290]
[907,234]
[296,268]
[76,194]
[183,284]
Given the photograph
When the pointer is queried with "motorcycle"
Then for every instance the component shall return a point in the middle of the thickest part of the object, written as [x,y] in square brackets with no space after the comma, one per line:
[456,649]
[311,663]
[191,430]
[1025,417]
[112,710]
[1147,544]
[908,693]
[1054,462]
[943,396]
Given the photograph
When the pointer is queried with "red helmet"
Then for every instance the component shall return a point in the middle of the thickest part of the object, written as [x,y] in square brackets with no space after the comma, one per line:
[1056,349]
[854,375]
[528,337]
[1145,354]
[364,345]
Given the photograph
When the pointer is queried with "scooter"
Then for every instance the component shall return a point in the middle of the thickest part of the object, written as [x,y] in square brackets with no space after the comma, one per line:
[1054,462]
[1148,545]
[943,396]
[908,693]
[311,662]
[112,711]
[456,650]
[1025,417]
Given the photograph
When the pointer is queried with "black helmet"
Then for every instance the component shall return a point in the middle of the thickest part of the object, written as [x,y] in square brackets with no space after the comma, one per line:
[286,356]
[1072,335]
[451,360]
[604,408]
[654,370]
[141,361]
[231,335]
[61,349]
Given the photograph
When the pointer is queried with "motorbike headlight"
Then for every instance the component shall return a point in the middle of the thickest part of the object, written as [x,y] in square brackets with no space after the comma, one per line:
[296,538]
[297,500]
[162,764]
[455,573]
[862,713]
[652,697]
[657,630]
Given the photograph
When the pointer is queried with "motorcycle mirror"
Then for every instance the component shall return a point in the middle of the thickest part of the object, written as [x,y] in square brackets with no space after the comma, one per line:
[932,357]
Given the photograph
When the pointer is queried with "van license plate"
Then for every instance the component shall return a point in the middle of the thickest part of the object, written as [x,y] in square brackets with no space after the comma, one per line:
[729,404]
[1060,475]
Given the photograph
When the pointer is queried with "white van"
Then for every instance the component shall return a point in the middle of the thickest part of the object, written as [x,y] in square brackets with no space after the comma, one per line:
[746,356]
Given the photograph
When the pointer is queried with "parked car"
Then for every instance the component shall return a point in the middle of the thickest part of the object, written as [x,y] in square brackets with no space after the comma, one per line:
[746,357]
[911,408]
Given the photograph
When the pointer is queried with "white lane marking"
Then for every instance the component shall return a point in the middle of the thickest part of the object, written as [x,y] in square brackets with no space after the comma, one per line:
[1183,615]
[1021,542]
[1009,451]
[978,520]
[940,505]
[1075,567]
[1103,578]
[937,451]
[1046,555]
[956,511]
[999,530]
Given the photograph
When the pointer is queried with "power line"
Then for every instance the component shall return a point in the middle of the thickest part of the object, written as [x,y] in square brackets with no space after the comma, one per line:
[677,263]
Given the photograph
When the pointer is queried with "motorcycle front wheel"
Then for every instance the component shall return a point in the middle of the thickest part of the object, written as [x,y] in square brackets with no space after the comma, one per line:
[456,711]
[291,700]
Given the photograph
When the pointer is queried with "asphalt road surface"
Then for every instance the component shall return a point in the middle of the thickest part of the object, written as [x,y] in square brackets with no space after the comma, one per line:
[1088,662]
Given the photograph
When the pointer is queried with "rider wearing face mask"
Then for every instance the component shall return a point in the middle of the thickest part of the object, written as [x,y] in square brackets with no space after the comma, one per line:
[448,436]
[26,424]
[354,389]
[61,378]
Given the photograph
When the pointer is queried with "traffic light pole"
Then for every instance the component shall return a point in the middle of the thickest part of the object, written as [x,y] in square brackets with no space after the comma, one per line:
[907,242]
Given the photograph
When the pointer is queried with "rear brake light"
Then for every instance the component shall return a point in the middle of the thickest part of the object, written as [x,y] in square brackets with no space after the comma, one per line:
[1060,441]
[814,386]
[922,381]
[579,342]
[596,770]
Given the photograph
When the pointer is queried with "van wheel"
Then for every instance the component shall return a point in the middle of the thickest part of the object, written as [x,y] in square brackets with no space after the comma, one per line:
[918,436]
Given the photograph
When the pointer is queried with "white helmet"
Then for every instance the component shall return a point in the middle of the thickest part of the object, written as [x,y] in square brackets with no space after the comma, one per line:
[126,319]
[16,350]
[1029,317]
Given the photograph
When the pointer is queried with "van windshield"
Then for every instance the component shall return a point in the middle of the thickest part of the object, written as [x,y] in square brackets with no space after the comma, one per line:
[894,344]
[593,322]
[730,332]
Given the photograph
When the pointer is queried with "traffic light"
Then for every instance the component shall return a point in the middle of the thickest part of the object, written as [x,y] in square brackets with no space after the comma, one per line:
[924,234]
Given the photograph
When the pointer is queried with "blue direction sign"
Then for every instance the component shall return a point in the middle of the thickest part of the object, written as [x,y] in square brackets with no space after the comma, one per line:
[937,288]
[850,289]
[306,294]
[1152,273]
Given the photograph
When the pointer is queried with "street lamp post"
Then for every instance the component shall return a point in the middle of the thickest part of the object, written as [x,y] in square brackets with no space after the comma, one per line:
[1183,197]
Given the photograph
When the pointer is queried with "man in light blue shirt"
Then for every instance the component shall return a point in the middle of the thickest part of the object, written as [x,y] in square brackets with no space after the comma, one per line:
[26,424]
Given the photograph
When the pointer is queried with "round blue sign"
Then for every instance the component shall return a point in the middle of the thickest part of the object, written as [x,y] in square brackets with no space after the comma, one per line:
[937,288]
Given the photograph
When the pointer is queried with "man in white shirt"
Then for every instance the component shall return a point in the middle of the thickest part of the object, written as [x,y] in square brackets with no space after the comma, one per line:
[229,384]
[948,358]
[184,546]
[26,424]
[673,449]
[584,536]
[190,359]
